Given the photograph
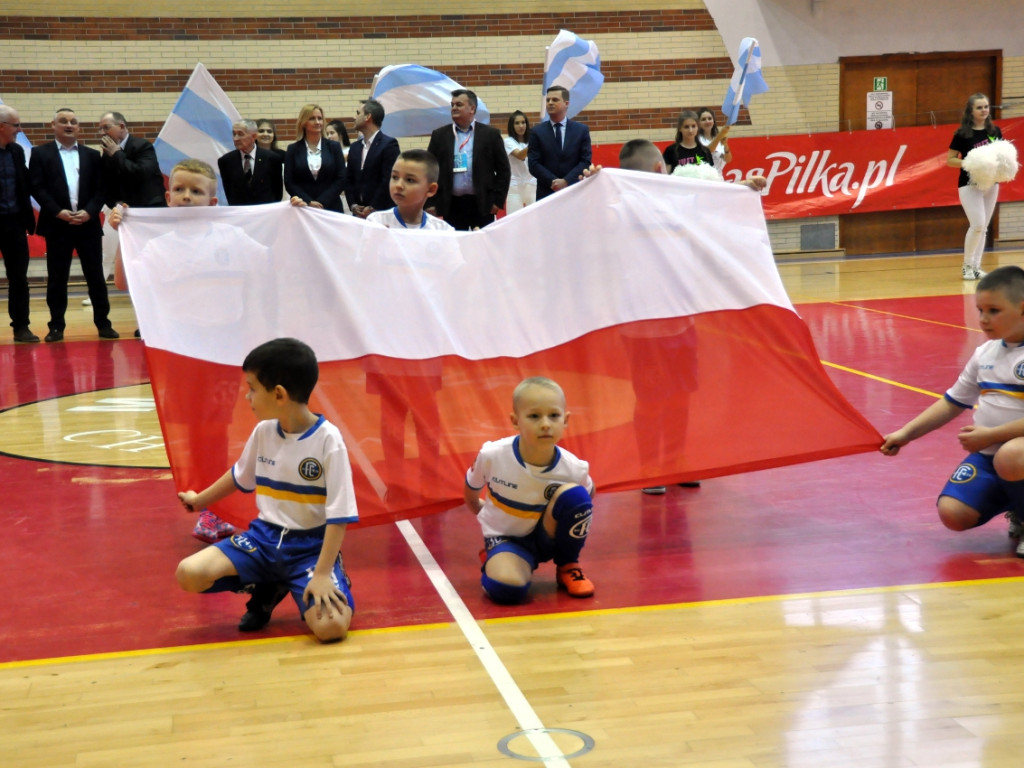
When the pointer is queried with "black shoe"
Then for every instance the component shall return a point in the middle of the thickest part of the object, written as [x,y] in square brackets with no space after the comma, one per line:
[25,336]
[264,600]
[54,336]
[137,334]
[691,484]
[109,333]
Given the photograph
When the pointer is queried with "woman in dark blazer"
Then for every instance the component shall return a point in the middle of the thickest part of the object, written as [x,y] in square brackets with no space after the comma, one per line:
[314,166]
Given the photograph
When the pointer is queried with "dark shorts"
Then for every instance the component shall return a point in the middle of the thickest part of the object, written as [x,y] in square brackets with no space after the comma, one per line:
[976,484]
[269,553]
[535,548]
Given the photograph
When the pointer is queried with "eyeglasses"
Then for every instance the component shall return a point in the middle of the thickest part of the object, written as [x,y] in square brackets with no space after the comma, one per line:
[13,125]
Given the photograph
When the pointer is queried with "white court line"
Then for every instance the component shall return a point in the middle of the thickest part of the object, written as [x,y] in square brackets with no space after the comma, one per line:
[546,748]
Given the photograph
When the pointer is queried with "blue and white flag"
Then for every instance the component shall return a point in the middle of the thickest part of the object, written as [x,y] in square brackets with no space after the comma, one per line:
[573,63]
[199,126]
[746,80]
[417,100]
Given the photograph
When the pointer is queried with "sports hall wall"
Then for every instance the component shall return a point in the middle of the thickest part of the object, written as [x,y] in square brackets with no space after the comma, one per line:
[272,57]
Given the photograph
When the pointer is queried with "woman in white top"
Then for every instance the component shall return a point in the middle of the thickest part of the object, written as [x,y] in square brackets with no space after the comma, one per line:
[522,189]
[712,138]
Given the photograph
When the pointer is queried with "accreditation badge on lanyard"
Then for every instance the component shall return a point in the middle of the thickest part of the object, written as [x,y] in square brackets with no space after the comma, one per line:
[461,161]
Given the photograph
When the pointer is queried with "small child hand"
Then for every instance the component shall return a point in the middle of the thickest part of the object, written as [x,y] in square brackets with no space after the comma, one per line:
[891,444]
[117,215]
[297,201]
[188,500]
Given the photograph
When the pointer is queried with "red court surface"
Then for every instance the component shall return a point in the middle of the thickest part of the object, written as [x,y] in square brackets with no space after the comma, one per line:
[89,551]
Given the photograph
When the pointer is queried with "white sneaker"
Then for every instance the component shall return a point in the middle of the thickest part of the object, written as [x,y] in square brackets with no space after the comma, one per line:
[1020,550]
[978,274]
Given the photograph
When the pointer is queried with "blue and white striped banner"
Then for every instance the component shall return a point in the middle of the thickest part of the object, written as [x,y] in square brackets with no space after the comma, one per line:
[417,100]
[199,126]
[573,63]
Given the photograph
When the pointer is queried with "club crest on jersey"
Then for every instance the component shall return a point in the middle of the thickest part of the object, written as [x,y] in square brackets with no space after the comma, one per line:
[964,474]
[310,469]
[1018,370]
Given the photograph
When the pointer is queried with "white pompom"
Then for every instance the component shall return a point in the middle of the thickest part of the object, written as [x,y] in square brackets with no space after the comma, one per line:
[991,163]
[703,171]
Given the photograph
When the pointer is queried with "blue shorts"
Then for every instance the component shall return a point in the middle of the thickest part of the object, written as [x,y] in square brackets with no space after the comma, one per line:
[976,484]
[270,553]
[535,548]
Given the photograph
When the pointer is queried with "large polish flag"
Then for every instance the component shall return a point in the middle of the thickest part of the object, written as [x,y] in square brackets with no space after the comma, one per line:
[654,301]
[199,126]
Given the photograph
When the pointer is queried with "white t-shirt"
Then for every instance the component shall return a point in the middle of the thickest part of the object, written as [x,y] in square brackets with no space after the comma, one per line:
[393,219]
[520,173]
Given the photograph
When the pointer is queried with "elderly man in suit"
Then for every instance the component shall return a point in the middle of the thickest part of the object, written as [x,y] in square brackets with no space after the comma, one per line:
[475,173]
[559,149]
[251,176]
[17,221]
[67,182]
[131,173]
[368,175]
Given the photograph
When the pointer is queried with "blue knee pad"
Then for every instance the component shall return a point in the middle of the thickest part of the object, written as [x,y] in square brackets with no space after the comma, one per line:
[572,512]
[502,593]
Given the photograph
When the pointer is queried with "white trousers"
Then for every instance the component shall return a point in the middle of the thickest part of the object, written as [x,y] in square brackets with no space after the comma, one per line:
[979,207]
[520,196]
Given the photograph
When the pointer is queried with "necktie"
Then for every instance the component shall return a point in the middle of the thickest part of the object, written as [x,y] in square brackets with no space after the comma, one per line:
[247,169]
[558,134]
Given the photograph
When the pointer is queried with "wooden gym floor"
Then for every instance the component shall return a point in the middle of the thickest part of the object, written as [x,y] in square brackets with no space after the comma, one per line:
[816,615]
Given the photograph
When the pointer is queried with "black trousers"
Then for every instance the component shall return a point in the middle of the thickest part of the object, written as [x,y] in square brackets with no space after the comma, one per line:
[60,246]
[14,249]
[463,214]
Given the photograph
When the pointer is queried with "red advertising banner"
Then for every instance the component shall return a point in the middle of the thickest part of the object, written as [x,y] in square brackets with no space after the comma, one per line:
[822,174]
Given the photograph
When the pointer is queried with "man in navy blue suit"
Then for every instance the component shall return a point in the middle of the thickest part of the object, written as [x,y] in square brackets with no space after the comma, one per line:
[67,182]
[559,149]
[368,174]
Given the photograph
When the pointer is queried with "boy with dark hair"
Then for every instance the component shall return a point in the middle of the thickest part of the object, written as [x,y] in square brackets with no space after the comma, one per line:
[413,180]
[297,464]
[990,479]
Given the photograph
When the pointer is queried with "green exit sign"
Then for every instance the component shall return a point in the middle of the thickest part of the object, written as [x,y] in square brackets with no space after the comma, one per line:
[881,84]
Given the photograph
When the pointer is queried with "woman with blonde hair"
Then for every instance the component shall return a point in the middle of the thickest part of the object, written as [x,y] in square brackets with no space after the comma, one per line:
[314,166]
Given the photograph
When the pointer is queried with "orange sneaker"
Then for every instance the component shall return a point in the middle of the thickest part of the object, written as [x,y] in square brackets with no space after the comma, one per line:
[572,580]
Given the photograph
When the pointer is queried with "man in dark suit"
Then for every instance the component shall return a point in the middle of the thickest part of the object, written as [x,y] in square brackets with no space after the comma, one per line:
[559,149]
[17,221]
[368,176]
[250,175]
[475,173]
[67,182]
[131,173]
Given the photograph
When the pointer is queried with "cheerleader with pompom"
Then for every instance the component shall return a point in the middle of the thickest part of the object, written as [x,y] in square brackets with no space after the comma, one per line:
[976,131]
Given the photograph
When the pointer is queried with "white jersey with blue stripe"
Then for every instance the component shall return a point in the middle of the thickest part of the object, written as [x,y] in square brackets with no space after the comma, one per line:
[516,491]
[994,380]
[301,481]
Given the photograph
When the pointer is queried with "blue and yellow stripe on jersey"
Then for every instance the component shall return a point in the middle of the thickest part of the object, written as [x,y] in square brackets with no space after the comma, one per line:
[515,508]
[300,494]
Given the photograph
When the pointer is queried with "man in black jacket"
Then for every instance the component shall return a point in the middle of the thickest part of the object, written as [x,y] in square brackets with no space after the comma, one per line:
[17,221]
[131,173]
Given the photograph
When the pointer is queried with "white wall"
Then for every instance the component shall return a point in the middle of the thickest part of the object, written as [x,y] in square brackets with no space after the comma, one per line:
[821,31]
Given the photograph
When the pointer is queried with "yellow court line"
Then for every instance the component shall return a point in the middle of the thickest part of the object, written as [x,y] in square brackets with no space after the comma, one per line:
[878,378]
[305,638]
[904,317]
